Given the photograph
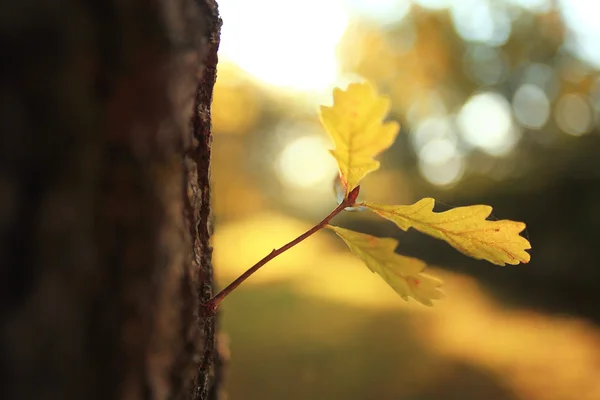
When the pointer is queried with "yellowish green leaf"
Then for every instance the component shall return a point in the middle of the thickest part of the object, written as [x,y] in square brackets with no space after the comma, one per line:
[464,228]
[354,123]
[404,274]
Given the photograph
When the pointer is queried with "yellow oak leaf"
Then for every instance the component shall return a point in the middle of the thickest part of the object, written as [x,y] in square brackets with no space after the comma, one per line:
[354,123]
[464,228]
[404,274]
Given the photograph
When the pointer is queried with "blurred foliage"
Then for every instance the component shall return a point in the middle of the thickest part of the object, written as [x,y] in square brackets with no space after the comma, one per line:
[285,345]
[498,107]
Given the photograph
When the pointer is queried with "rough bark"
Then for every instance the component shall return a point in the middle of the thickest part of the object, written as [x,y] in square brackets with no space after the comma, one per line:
[104,199]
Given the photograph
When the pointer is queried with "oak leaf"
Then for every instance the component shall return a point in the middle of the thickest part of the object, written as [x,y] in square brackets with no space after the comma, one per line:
[354,123]
[404,274]
[464,228]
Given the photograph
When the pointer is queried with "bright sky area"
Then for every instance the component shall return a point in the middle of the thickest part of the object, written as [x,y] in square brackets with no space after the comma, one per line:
[291,45]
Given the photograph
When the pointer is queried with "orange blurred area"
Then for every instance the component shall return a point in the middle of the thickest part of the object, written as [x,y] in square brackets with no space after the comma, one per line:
[537,356]
[499,104]
[346,335]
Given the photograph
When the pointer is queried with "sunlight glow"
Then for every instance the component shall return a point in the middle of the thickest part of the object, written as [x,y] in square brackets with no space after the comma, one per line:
[533,5]
[305,162]
[382,11]
[240,243]
[433,4]
[284,43]
[581,16]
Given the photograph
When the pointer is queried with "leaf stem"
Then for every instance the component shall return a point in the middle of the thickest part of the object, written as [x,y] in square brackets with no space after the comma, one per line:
[211,305]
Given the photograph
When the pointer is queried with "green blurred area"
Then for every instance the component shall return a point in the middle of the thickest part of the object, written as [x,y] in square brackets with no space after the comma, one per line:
[499,103]
[291,347]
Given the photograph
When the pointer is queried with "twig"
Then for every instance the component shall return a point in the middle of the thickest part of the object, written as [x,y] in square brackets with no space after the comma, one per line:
[211,305]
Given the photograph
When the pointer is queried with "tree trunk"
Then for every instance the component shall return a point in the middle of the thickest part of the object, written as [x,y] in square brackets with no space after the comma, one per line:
[104,199]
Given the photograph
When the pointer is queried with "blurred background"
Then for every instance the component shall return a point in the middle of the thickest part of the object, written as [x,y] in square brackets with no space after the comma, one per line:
[499,103]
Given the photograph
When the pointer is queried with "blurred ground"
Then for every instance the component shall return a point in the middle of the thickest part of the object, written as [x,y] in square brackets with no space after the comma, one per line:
[285,345]
[499,103]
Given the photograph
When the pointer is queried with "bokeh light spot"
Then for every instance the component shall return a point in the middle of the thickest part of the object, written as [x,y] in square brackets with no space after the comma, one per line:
[440,163]
[305,162]
[531,106]
[436,127]
[485,122]
[574,114]
[477,21]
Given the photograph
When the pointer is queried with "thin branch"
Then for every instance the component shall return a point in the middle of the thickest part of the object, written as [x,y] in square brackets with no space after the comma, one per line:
[211,305]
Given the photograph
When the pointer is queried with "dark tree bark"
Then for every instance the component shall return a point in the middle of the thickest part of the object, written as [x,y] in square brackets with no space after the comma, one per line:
[104,199]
